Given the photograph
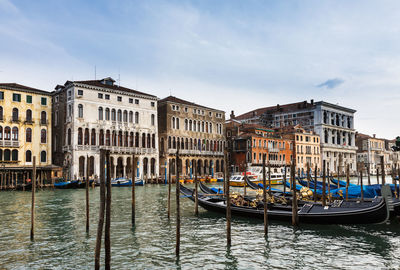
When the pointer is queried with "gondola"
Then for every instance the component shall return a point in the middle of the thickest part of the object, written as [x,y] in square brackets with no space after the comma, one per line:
[339,212]
[27,186]
[312,184]
[341,183]
[208,190]
[67,184]
[124,182]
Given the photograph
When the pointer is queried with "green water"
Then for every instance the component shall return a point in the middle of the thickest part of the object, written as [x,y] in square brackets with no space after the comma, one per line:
[61,241]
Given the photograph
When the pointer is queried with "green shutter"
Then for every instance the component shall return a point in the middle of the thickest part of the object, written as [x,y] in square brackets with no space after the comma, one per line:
[28,99]
[44,101]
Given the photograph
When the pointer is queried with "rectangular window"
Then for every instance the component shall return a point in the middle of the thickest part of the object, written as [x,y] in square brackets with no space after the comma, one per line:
[80,92]
[153,104]
[100,95]
[16,97]
[43,101]
[131,100]
[107,96]
[119,98]
[29,99]
[136,101]
[1,95]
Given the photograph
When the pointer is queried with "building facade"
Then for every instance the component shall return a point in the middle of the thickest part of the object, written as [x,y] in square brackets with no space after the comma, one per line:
[25,131]
[333,123]
[248,142]
[97,114]
[199,132]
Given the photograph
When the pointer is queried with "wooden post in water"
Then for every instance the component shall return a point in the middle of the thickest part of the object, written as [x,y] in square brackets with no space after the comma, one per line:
[377,174]
[107,234]
[269,179]
[369,174]
[33,201]
[87,196]
[284,182]
[338,177]
[265,198]
[178,212]
[133,173]
[169,193]
[347,181]
[324,183]
[196,184]
[328,184]
[308,175]
[361,182]
[383,170]
[245,181]
[102,208]
[228,202]
[315,182]
[295,217]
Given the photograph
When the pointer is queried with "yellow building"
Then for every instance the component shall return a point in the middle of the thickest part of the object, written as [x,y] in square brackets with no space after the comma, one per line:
[25,132]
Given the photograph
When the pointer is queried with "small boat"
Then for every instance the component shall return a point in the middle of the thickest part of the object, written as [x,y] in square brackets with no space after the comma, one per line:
[341,183]
[239,180]
[208,190]
[124,182]
[67,184]
[339,212]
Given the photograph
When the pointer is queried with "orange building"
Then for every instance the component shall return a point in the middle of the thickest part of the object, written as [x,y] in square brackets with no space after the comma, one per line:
[248,142]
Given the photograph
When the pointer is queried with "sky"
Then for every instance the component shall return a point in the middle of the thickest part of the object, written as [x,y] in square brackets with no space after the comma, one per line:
[229,55]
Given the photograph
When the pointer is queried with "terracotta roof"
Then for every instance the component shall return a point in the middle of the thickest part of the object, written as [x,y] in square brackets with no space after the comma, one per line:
[281,108]
[20,87]
[98,83]
[185,102]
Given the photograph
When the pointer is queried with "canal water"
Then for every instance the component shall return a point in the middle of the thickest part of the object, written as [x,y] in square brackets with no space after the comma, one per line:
[61,241]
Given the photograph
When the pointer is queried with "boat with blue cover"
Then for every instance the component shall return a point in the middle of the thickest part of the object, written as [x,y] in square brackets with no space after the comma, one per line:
[125,182]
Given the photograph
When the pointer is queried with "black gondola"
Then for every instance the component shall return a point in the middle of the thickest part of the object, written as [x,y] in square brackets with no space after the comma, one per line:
[339,212]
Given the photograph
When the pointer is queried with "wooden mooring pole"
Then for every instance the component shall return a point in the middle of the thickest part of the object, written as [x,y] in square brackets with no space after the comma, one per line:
[369,174]
[377,174]
[169,193]
[107,233]
[196,184]
[265,198]
[87,197]
[245,181]
[328,184]
[361,183]
[383,170]
[133,173]
[308,175]
[228,202]
[284,181]
[102,207]
[347,181]
[33,200]
[269,179]
[178,212]
[295,217]
[315,182]
[324,183]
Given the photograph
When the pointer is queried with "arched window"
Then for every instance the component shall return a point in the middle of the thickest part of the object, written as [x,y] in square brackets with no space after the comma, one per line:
[131,140]
[14,155]
[108,138]
[173,122]
[29,116]
[93,137]
[153,120]
[126,139]
[28,156]
[7,155]
[186,124]
[113,116]
[15,114]
[119,116]
[190,125]
[1,113]
[1,132]
[14,136]
[1,154]
[43,157]
[86,136]
[120,138]
[107,116]
[80,111]
[28,134]
[169,142]
[177,123]
[148,141]
[100,113]
[7,133]
[80,136]
[101,137]
[130,117]
[43,136]
[194,125]
[125,116]
[137,139]
[143,140]
[114,138]
[153,141]
[136,117]
[43,118]
[69,135]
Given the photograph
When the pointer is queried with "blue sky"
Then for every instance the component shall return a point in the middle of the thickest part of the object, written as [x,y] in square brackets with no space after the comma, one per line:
[231,55]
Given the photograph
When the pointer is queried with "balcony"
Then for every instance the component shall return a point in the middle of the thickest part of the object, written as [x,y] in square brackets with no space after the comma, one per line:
[14,119]
[28,122]
[273,150]
[44,122]
[8,143]
[194,152]
[277,162]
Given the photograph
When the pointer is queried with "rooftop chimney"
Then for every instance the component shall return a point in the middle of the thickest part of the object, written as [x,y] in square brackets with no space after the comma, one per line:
[232,114]
[312,102]
[374,135]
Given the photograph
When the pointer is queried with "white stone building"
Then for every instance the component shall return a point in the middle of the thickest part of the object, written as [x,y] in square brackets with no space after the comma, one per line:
[97,114]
